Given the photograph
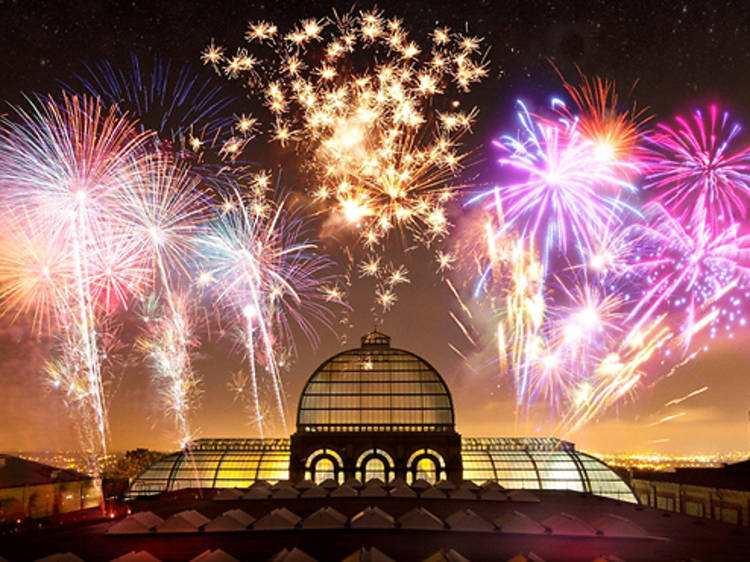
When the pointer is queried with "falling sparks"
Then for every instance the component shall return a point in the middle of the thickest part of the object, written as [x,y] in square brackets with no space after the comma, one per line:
[267,275]
[361,103]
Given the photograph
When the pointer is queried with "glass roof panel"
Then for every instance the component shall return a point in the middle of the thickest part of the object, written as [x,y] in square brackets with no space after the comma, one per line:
[375,388]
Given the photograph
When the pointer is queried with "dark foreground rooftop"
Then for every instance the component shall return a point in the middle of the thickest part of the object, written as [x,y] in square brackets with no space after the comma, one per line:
[15,471]
[479,523]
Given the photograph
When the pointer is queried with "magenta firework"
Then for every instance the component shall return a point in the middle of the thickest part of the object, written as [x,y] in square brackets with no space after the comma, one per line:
[605,262]
[698,169]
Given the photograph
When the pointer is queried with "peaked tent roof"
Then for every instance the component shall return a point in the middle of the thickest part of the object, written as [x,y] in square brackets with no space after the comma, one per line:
[217,555]
[139,556]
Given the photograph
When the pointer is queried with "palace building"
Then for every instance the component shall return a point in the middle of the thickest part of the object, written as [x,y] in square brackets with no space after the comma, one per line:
[376,471]
[381,412]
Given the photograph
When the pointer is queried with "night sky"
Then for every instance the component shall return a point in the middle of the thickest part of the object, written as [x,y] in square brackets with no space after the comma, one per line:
[680,55]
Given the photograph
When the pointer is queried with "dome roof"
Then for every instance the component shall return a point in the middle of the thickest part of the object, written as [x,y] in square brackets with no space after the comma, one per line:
[375,388]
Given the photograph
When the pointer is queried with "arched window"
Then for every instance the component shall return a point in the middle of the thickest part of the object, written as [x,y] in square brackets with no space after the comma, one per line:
[324,464]
[427,464]
[375,463]
[375,468]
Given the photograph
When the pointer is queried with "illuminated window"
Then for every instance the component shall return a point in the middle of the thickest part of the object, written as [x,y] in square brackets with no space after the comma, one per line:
[374,468]
[427,464]
[375,463]
[324,464]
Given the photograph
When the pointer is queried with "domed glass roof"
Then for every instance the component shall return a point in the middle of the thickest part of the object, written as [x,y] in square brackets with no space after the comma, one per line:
[375,388]
[514,463]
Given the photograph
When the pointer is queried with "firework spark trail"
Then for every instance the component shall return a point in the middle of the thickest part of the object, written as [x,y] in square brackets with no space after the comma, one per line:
[163,211]
[618,373]
[688,265]
[696,171]
[667,418]
[168,342]
[266,273]
[580,327]
[62,163]
[689,395]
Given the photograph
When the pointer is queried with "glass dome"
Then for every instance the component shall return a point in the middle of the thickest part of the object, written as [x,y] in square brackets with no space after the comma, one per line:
[375,388]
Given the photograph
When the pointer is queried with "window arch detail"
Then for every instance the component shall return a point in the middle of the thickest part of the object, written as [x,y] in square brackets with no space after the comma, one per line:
[427,464]
[375,463]
[324,464]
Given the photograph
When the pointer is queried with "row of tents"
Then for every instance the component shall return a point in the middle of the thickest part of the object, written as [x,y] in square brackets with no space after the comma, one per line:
[375,488]
[419,518]
[364,554]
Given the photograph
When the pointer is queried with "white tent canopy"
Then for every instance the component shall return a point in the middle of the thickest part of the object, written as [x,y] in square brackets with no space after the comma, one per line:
[433,493]
[325,518]
[371,554]
[136,524]
[133,556]
[257,493]
[217,555]
[188,521]
[421,519]
[228,494]
[467,520]
[446,556]
[372,518]
[60,557]
[517,522]
[374,489]
[344,491]
[617,526]
[294,555]
[232,520]
[315,491]
[284,492]
[566,524]
[280,518]
[402,491]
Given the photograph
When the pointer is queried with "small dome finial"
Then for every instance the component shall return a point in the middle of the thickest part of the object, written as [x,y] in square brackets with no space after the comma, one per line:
[376,338]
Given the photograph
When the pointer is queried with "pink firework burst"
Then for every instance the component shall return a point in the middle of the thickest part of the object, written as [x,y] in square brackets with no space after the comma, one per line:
[696,170]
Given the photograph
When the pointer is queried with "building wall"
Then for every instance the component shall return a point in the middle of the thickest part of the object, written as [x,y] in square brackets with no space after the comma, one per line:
[399,445]
[729,506]
[47,500]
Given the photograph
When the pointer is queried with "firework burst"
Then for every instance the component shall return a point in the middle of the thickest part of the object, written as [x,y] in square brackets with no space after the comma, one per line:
[186,109]
[614,131]
[373,113]
[163,211]
[696,169]
[688,267]
[267,277]
[60,168]
[563,192]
